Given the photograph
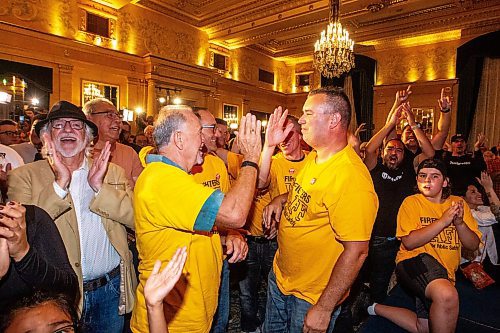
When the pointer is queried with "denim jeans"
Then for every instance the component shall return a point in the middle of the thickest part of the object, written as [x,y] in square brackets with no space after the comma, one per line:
[255,271]
[382,262]
[100,309]
[286,313]
[221,317]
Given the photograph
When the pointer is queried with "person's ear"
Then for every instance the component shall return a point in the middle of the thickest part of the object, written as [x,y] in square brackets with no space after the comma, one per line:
[335,120]
[178,140]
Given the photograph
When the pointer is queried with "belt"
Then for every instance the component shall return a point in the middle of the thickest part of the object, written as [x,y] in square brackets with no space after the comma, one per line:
[260,239]
[101,281]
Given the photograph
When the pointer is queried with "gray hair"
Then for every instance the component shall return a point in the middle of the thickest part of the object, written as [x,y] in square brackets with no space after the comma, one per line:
[170,120]
[89,136]
[90,107]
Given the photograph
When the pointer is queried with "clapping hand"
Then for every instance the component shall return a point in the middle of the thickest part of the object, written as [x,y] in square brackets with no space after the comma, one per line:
[99,167]
[61,172]
[402,95]
[159,284]
[275,133]
[13,230]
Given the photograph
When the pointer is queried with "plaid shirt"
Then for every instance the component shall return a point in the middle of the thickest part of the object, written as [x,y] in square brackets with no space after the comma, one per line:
[493,167]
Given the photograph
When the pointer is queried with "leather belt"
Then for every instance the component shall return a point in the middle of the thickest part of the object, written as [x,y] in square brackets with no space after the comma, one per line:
[101,281]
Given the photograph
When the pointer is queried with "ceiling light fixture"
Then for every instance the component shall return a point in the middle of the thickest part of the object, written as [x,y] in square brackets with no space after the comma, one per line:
[333,52]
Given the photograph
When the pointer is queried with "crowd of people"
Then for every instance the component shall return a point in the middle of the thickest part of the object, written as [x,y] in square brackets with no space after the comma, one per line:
[105,231]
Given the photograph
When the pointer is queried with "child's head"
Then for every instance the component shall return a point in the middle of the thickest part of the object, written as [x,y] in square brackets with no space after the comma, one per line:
[40,311]
[432,179]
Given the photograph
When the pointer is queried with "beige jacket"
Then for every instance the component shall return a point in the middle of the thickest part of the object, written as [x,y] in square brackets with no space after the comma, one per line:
[33,184]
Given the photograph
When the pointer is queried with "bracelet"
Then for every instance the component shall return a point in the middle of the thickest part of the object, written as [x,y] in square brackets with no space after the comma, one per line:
[445,110]
[250,164]
[414,127]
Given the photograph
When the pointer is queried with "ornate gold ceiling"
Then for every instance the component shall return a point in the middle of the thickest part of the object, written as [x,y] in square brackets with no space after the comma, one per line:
[287,29]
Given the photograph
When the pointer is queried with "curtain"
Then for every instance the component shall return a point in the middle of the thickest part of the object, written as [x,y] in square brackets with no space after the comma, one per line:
[487,115]
[353,125]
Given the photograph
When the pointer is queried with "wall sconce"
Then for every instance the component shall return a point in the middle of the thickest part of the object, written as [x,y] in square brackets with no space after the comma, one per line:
[172,96]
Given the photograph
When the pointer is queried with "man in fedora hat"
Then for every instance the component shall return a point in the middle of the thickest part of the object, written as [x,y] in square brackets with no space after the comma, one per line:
[90,202]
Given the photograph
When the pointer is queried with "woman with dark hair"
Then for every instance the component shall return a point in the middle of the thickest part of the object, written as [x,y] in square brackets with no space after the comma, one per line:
[487,217]
[32,246]
[433,226]
[40,311]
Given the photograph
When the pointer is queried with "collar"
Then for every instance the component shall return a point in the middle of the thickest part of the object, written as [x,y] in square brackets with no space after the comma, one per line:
[160,158]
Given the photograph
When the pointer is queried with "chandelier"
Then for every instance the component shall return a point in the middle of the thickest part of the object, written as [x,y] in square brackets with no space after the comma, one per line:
[333,52]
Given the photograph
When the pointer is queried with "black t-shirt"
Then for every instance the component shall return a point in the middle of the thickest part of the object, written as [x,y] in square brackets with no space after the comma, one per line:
[44,267]
[463,169]
[392,187]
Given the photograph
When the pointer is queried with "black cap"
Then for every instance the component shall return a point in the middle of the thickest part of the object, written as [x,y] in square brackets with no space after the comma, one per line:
[433,163]
[457,137]
[65,109]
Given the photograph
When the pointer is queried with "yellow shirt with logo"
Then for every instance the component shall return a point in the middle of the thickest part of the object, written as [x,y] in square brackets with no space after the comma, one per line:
[261,199]
[171,211]
[283,173]
[212,173]
[330,202]
[417,212]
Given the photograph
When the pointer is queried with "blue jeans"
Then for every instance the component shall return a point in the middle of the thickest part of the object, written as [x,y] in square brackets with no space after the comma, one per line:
[100,308]
[221,317]
[382,262]
[286,313]
[256,268]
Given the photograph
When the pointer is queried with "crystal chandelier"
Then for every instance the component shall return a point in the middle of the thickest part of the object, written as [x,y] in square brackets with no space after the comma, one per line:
[333,52]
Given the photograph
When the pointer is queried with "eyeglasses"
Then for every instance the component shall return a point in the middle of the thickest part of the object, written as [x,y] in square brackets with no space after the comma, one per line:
[110,114]
[74,124]
[213,127]
[11,133]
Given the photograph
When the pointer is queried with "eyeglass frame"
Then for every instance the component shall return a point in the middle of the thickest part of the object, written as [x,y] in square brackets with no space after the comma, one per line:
[11,133]
[72,121]
[213,127]
[110,114]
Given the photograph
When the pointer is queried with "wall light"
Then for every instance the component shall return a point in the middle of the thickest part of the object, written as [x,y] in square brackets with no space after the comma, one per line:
[139,110]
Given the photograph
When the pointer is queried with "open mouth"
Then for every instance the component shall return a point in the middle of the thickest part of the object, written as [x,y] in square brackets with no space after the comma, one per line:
[67,139]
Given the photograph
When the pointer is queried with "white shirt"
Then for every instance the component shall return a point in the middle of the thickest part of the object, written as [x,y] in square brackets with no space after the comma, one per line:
[9,155]
[98,256]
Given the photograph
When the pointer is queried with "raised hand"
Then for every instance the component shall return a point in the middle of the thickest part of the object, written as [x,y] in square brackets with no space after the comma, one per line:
[485,181]
[249,140]
[397,115]
[402,95]
[361,128]
[99,167]
[4,256]
[61,172]
[13,229]
[159,284]
[275,133]
[481,139]
[444,102]
[407,113]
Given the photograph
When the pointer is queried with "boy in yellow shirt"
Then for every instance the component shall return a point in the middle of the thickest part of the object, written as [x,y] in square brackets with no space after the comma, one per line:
[433,226]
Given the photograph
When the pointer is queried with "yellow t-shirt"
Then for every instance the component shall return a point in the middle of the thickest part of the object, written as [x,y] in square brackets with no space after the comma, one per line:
[417,212]
[212,173]
[330,202]
[172,210]
[143,153]
[283,174]
[233,165]
[261,199]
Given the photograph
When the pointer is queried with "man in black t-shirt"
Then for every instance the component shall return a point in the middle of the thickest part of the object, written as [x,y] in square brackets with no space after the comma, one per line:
[393,180]
[463,168]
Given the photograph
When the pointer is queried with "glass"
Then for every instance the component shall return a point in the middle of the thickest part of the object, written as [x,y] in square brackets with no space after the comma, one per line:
[11,133]
[110,114]
[213,127]
[74,124]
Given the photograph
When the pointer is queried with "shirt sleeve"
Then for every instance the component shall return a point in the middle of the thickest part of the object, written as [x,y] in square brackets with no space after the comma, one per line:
[407,219]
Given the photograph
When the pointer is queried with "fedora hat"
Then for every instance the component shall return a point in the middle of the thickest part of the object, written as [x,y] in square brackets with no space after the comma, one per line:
[65,109]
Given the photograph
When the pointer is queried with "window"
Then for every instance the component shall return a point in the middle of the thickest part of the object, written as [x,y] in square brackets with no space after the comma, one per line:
[302,80]
[97,25]
[219,61]
[265,76]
